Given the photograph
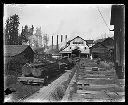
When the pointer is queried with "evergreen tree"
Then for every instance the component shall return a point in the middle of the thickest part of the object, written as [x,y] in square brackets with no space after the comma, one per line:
[23,37]
[26,33]
[31,30]
[11,30]
[7,36]
[19,40]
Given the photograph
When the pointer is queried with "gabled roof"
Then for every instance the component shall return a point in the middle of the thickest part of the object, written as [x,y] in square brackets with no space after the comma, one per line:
[108,42]
[97,45]
[12,50]
[88,41]
[64,47]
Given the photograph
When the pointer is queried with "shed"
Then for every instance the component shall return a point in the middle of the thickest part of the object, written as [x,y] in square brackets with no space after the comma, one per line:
[15,56]
[109,43]
[98,50]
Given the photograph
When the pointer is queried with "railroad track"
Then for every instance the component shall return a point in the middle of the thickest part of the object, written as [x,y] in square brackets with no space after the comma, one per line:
[87,85]
[95,85]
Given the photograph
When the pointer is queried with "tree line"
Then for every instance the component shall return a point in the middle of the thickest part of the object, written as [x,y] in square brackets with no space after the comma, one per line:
[12,36]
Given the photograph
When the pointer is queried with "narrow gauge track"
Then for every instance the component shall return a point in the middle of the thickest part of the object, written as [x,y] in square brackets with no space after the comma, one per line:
[96,85]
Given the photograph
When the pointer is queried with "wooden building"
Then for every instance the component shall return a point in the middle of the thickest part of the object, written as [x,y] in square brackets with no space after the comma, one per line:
[118,20]
[98,50]
[108,42]
[15,56]
[79,44]
[103,50]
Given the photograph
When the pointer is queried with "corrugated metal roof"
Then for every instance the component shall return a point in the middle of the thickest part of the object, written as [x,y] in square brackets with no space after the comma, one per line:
[12,50]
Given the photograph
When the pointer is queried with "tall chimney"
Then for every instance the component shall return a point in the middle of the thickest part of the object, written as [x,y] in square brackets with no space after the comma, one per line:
[66,38]
[52,42]
[61,38]
[57,42]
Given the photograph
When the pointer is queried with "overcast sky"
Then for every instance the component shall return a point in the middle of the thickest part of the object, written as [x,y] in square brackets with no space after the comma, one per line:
[63,19]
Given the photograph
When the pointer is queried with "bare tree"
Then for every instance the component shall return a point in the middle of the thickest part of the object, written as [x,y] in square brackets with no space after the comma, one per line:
[38,34]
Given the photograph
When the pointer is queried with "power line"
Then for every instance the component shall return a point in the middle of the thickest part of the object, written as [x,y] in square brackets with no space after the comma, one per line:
[103,19]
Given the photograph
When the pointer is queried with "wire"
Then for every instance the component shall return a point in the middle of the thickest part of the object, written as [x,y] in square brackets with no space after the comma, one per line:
[103,19]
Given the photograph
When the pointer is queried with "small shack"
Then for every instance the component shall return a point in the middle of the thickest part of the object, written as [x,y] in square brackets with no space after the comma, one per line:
[98,50]
[15,56]
[103,49]
[108,42]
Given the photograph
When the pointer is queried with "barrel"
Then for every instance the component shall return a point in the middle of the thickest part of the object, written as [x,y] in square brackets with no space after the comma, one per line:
[26,69]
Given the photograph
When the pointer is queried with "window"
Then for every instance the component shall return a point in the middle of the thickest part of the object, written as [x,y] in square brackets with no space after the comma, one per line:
[85,48]
[74,43]
[77,42]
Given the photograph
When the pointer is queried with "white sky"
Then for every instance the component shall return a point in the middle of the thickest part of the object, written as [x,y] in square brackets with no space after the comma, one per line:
[63,19]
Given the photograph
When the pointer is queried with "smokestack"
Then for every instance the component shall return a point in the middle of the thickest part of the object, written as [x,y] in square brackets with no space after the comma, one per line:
[61,38]
[66,38]
[57,42]
[52,42]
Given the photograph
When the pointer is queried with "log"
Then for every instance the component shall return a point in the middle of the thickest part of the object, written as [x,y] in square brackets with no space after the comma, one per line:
[26,69]
[36,72]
